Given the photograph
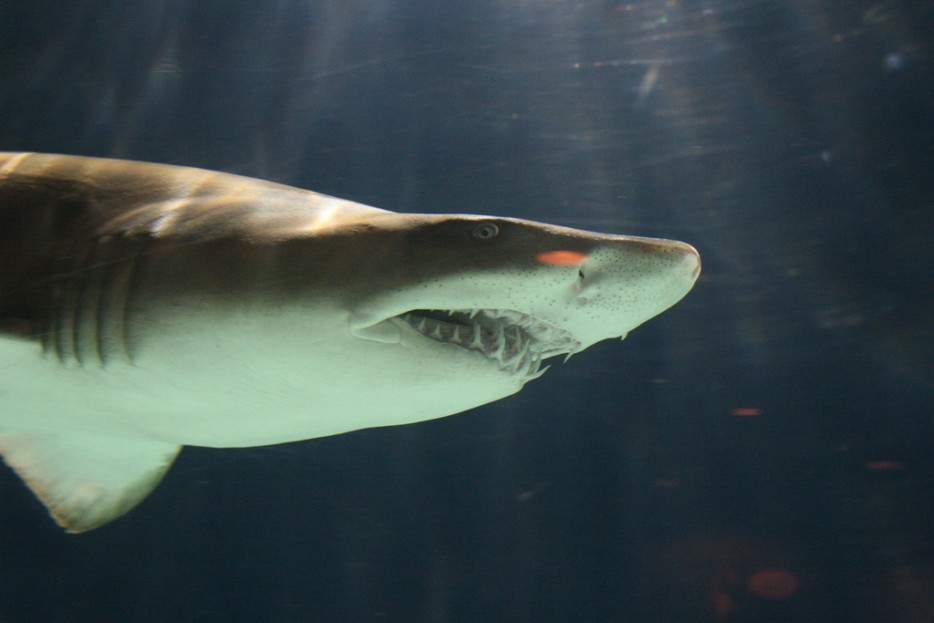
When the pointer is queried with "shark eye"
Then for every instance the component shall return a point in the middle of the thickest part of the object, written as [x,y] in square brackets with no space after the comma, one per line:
[485,231]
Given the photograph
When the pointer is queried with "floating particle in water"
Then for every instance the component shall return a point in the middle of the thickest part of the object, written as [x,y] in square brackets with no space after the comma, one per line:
[894,61]
[773,584]
[883,465]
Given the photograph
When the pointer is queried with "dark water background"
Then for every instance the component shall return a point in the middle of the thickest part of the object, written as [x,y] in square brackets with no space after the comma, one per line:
[762,452]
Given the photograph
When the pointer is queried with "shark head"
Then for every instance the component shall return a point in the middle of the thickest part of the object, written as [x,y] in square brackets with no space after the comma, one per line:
[381,319]
[501,295]
[144,307]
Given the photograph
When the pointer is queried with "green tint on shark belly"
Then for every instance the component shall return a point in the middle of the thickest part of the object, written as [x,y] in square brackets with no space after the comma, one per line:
[144,307]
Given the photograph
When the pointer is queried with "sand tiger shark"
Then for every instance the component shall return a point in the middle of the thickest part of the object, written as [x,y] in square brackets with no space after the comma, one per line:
[145,307]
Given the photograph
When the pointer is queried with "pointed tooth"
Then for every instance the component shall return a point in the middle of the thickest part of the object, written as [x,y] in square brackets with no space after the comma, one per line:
[522,359]
[461,335]
[500,343]
[511,362]
[517,341]
[477,342]
[532,377]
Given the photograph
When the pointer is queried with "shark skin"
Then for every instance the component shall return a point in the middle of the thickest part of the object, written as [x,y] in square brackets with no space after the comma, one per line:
[145,307]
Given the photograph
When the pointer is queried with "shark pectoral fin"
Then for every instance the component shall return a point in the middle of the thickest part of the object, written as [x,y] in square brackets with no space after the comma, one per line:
[86,480]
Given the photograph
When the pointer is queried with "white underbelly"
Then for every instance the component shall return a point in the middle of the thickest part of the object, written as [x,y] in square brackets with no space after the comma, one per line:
[255,391]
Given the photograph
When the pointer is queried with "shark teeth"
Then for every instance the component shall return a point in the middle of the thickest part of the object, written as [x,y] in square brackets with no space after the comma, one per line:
[517,342]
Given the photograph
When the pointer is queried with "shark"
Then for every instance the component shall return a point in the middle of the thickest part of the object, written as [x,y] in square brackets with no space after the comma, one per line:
[146,307]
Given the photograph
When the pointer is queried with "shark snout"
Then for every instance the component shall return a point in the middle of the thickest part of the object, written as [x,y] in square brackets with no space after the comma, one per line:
[627,261]
[690,259]
[626,281]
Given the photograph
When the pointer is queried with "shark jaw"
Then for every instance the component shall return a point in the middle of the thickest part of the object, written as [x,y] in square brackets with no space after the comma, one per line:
[508,343]
[515,342]
[150,307]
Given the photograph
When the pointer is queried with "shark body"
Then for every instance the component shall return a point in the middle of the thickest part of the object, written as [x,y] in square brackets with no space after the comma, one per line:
[144,307]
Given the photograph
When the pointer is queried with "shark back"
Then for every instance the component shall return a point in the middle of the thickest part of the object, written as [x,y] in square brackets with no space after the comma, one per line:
[61,214]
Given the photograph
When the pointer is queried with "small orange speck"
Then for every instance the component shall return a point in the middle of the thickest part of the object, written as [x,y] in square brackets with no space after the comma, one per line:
[561,258]
[722,605]
[773,584]
[884,465]
[746,411]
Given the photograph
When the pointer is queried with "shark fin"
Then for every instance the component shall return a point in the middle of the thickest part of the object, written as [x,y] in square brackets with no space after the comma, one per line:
[86,480]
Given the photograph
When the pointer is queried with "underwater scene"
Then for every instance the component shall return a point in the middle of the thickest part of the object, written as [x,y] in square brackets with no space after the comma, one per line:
[466,311]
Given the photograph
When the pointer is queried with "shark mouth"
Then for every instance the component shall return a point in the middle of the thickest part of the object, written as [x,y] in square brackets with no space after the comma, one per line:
[516,342]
